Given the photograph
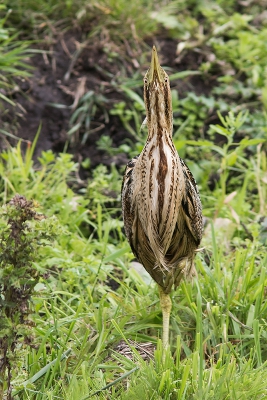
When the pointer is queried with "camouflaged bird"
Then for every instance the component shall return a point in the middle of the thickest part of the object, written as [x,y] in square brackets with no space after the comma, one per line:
[161,206]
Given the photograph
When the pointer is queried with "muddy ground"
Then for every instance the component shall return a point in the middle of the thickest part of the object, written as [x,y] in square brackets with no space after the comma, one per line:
[68,67]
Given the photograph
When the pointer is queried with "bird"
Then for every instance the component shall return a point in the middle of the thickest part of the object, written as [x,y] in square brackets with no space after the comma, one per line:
[161,206]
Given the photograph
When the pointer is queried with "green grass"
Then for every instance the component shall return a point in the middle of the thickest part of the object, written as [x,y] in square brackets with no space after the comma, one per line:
[12,57]
[218,322]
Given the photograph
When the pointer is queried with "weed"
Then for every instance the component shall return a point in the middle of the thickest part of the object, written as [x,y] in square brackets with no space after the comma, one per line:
[105,143]
[12,57]
[23,232]
[83,114]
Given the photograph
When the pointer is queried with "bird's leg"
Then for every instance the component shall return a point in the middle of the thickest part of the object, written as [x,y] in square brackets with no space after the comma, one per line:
[166,306]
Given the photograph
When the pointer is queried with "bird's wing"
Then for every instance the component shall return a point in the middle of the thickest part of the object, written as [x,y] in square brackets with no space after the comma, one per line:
[191,205]
[133,228]
[127,202]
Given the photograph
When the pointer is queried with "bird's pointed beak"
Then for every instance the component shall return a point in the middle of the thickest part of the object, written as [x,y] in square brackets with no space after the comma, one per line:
[154,70]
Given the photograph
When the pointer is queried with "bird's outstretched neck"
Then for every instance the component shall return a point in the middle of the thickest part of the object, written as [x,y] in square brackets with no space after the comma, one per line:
[157,96]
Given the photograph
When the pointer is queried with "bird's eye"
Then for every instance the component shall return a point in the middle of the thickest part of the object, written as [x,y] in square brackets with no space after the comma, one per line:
[166,80]
[145,81]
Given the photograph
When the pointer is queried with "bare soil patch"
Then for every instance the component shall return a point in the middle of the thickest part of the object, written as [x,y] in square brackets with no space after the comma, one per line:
[57,78]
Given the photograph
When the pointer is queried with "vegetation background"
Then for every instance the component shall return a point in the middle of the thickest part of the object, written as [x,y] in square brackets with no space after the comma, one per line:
[79,318]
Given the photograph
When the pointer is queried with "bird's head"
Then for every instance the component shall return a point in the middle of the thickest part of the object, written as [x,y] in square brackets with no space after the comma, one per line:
[157,96]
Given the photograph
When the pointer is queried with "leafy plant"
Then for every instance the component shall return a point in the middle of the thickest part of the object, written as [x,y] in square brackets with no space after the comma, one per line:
[84,109]
[12,57]
[192,112]
[135,115]
[83,115]
[105,143]
[20,176]
[23,232]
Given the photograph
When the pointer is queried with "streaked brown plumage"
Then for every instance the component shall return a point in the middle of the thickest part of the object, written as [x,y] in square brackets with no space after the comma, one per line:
[161,207]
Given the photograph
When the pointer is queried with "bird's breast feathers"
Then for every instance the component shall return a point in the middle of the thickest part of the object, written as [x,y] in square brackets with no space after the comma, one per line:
[159,184]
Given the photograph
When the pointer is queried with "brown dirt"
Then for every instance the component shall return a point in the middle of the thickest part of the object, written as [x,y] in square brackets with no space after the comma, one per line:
[48,84]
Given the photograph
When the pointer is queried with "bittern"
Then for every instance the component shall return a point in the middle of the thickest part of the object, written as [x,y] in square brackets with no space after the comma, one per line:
[161,206]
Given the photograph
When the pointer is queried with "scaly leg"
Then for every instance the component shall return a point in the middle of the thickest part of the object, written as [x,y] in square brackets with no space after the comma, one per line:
[166,306]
